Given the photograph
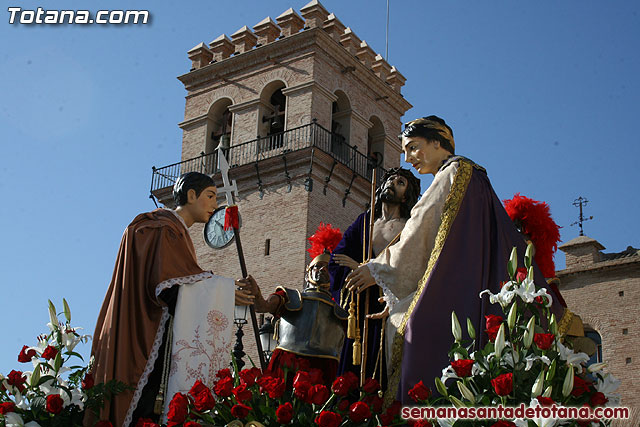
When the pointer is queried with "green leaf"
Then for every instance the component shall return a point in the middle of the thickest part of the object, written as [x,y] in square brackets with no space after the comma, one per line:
[67,310]
[73,353]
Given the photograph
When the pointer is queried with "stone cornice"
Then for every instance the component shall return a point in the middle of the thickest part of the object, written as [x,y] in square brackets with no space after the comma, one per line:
[193,121]
[602,265]
[360,118]
[248,105]
[393,143]
[313,86]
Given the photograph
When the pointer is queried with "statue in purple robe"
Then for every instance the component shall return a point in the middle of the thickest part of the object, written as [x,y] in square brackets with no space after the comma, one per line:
[455,245]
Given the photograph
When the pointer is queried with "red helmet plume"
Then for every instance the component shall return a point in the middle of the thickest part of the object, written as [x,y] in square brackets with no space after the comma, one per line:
[325,237]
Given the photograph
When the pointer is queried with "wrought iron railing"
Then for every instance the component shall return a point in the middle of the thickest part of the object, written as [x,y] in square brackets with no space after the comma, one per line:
[306,136]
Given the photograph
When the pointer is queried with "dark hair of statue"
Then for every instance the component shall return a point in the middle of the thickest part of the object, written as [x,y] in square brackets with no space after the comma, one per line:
[429,134]
[411,195]
[190,181]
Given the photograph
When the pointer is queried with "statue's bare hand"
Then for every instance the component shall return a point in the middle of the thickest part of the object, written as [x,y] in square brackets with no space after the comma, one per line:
[244,297]
[360,279]
[345,261]
[249,284]
[382,315]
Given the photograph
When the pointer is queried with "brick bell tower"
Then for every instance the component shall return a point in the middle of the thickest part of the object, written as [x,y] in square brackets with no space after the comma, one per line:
[304,110]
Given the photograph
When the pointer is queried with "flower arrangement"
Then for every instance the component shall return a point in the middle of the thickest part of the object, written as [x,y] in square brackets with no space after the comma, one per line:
[294,396]
[52,394]
[523,362]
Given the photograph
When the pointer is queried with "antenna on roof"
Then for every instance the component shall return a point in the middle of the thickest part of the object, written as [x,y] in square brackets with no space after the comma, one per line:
[386,45]
[580,202]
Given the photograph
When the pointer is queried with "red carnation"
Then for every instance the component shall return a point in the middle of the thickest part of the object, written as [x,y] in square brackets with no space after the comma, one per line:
[105,423]
[54,404]
[463,367]
[6,407]
[49,353]
[240,410]
[284,413]
[178,408]
[580,386]
[202,397]
[371,385]
[543,341]
[598,399]
[318,394]
[88,381]
[419,392]
[359,411]
[503,384]
[503,423]
[224,387]
[328,419]
[242,393]
[25,356]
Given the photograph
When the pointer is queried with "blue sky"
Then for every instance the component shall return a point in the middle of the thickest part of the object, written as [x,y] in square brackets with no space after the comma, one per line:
[544,94]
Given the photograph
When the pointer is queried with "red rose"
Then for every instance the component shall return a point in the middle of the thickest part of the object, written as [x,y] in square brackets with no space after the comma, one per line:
[54,404]
[598,399]
[242,393]
[394,408]
[359,411]
[88,381]
[192,424]
[503,423]
[541,300]
[249,376]
[463,367]
[223,387]
[49,352]
[343,405]
[177,409]
[240,410]
[580,386]
[371,386]
[341,386]
[301,390]
[105,423]
[374,402]
[25,356]
[223,373]
[202,397]
[545,401]
[315,376]
[16,379]
[543,341]
[386,419]
[352,380]
[284,413]
[492,332]
[318,394]
[521,274]
[419,392]
[503,384]
[303,364]
[328,419]
[493,321]
[145,422]
[275,387]
[7,407]
[301,376]
[287,360]
[420,423]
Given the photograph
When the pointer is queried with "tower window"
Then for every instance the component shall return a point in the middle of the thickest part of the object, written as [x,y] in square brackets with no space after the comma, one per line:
[628,360]
[625,331]
[267,247]
[621,293]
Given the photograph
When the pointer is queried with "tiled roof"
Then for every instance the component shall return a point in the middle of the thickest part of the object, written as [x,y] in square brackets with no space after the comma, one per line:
[629,252]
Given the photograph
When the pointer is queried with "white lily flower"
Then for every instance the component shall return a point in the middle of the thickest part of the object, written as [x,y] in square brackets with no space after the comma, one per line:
[573,359]
[20,401]
[595,367]
[448,373]
[32,424]
[504,297]
[519,422]
[13,420]
[527,292]
[446,422]
[529,361]
[607,385]
[77,398]
[542,422]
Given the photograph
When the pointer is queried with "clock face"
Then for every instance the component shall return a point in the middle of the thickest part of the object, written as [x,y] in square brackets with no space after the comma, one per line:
[214,233]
